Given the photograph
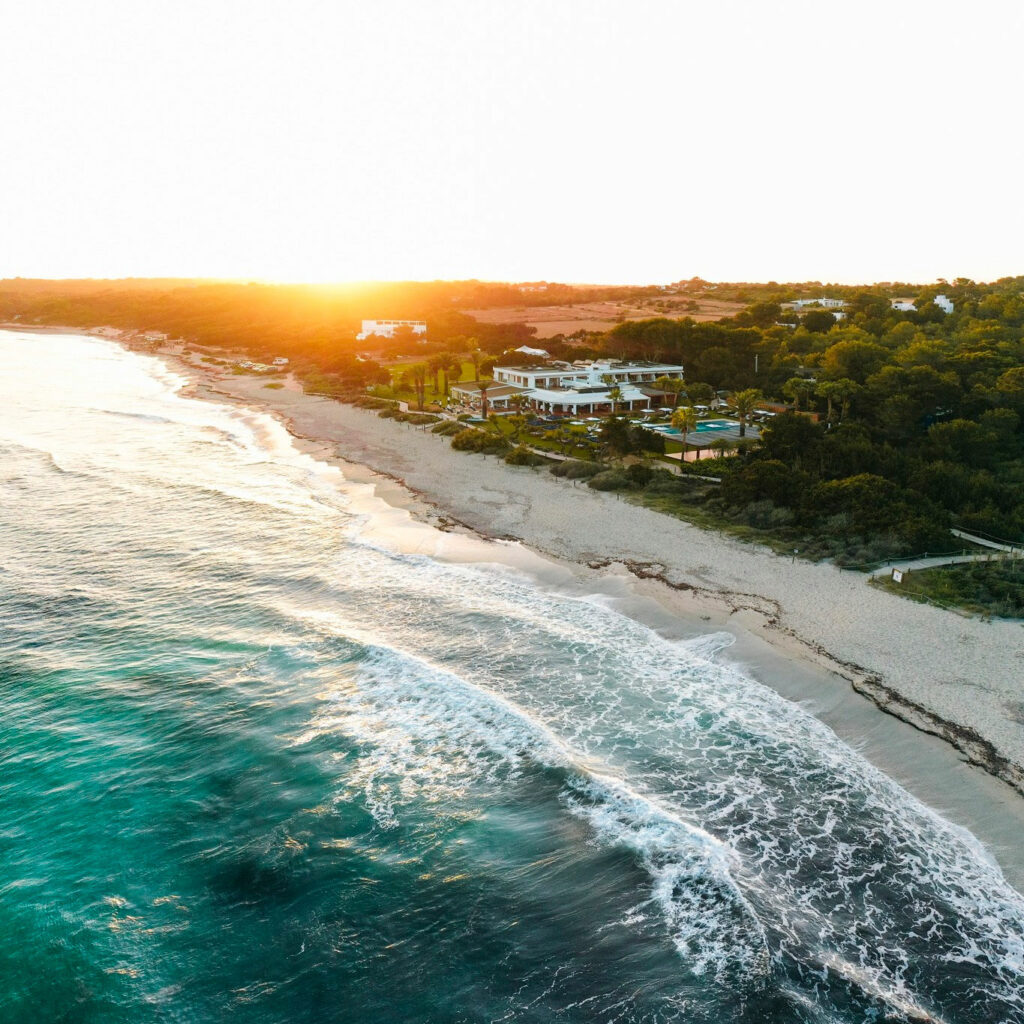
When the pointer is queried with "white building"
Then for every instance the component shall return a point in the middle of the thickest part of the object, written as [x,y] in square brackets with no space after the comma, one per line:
[904,305]
[471,394]
[584,388]
[822,302]
[944,303]
[387,328]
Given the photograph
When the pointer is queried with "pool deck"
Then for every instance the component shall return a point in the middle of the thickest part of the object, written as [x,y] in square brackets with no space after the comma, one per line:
[704,438]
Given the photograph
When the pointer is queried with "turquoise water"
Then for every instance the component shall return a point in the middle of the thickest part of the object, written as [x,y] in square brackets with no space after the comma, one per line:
[273,754]
[702,426]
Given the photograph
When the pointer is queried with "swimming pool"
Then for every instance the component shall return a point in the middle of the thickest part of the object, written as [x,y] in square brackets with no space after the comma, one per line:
[704,425]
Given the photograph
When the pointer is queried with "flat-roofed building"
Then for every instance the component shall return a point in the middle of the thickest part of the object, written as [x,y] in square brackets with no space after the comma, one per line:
[823,303]
[387,328]
[585,387]
[471,394]
[590,373]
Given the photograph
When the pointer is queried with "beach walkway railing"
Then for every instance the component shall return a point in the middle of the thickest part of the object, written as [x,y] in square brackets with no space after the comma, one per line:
[930,560]
[987,540]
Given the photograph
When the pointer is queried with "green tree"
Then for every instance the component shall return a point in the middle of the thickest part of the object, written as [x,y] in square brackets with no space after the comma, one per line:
[798,388]
[418,376]
[700,393]
[793,439]
[671,385]
[842,391]
[856,360]
[452,371]
[721,446]
[435,364]
[615,436]
[818,321]
[745,402]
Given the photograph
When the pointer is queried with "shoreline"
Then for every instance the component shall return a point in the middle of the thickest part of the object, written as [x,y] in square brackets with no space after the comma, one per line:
[946,760]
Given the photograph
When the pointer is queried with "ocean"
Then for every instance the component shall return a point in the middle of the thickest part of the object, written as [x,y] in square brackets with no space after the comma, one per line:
[270,752]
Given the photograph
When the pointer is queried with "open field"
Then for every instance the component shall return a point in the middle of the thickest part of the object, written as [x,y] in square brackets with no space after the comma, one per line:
[601,316]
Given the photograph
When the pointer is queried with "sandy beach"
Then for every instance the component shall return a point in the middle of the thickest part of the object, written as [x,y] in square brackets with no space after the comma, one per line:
[951,687]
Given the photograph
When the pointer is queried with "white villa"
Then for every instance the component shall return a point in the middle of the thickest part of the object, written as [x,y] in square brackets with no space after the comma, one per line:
[387,328]
[823,302]
[908,306]
[574,389]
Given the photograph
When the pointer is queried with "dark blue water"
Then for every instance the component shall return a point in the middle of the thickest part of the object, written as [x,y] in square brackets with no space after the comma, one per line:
[271,753]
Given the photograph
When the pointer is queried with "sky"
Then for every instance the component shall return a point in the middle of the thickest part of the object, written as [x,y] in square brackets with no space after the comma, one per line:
[640,141]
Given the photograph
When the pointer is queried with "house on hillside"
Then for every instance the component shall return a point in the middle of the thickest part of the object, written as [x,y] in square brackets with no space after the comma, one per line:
[904,305]
[823,302]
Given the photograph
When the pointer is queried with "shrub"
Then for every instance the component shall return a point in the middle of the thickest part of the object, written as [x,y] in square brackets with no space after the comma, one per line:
[417,418]
[581,470]
[477,441]
[639,474]
[609,480]
[664,482]
[522,456]
[446,428]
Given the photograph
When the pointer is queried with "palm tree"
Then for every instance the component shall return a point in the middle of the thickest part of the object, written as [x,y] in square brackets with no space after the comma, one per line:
[436,363]
[615,394]
[745,402]
[484,386]
[418,375]
[684,419]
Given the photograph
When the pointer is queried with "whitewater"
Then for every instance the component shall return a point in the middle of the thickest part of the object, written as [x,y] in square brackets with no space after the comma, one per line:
[274,752]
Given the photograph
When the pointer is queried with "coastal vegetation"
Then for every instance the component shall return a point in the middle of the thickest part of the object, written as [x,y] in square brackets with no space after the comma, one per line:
[890,426]
[993,587]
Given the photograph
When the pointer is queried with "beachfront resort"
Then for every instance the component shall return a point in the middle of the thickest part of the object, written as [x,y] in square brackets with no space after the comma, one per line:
[591,387]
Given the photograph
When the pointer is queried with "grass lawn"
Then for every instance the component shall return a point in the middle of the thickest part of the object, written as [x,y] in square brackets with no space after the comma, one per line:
[506,427]
[984,588]
[432,395]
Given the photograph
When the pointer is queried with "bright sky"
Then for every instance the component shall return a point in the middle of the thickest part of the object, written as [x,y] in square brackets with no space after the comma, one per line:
[582,140]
